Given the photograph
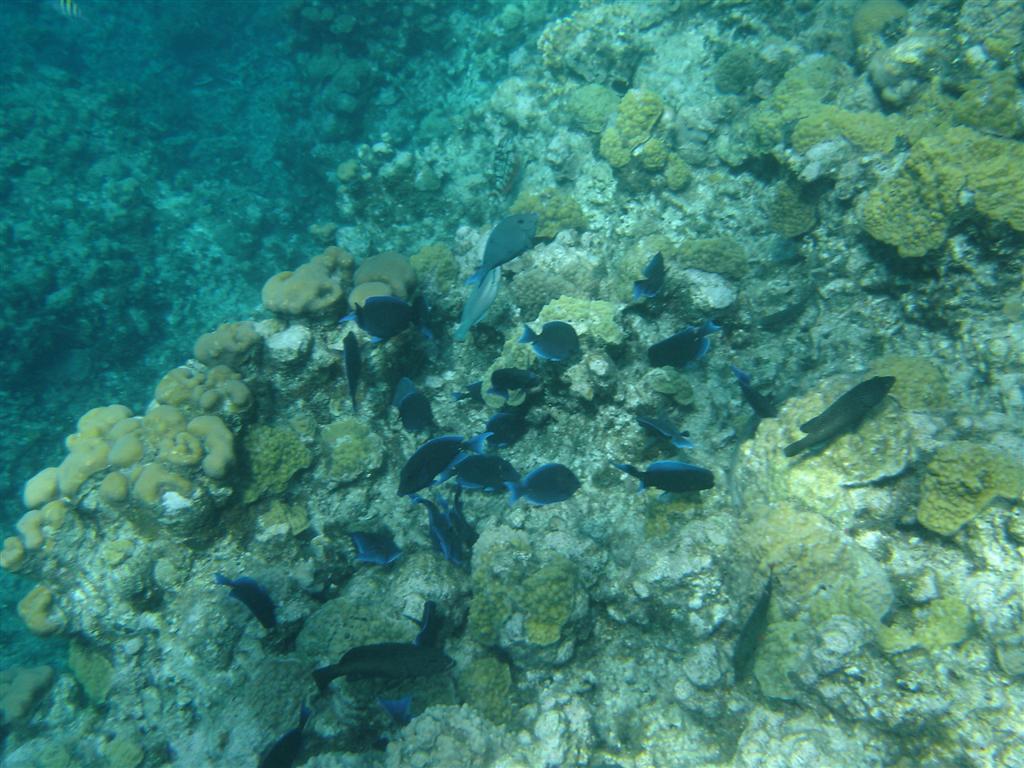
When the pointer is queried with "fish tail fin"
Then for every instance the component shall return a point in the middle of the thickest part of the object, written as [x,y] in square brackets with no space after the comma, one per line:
[629,469]
[682,442]
[475,277]
[794,448]
[528,335]
[220,578]
[741,376]
[476,444]
[515,491]
[461,332]
[304,714]
[324,675]
[710,326]
[350,317]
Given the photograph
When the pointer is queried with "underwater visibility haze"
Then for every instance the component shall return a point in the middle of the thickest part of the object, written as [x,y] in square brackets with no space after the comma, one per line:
[512,384]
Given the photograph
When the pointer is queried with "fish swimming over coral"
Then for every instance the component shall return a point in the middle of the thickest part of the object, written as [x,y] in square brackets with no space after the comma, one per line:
[684,348]
[762,404]
[413,406]
[353,365]
[557,341]
[506,380]
[507,427]
[547,484]
[510,238]
[653,279]
[478,302]
[844,415]
[671,476]
[387,661]
[399,709]
[286,750]
[432,458]
[252,595]
[751,634]
[383,317]
[660,428]
[375,548]
[484,472]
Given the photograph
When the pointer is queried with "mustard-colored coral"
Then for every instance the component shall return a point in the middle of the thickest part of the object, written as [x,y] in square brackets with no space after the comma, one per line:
[870,131]
[20,690]
[677,173]
[92,671]
[788,213]
[12,556]
[154,481]
[390,268]
[920,384]
[40,614]
[555,209]
[34,524]
[232,344]
[593,317]
[314,288]
[218,444]
[872,17]
[274,454]
[114,488]
[638,112]
[942,622]
[486,684]
[126,450]
[722,255]
[993,104]
[592,105]
[40,488]
[352,450]
[436,262]
[87,456]
[181,449]
[894,212]
[961,480]
[547,599]
[613,148]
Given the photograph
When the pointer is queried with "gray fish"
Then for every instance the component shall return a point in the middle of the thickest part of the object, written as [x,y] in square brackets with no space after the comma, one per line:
[388,661]
[511,237]
[478,302]
[672,476]
[844,415]
[751,634]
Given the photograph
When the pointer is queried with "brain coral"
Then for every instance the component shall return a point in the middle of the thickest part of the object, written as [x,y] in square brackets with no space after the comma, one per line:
[315,288]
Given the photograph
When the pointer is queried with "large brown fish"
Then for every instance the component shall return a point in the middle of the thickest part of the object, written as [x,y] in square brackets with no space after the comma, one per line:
[844,415]
[390,661]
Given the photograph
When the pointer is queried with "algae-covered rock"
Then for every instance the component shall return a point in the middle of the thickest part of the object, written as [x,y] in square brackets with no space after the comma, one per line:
[352,449]
[486,684]
[920,384]
[592,105]
[92,671]
[274,455]
[788,212]
[961,480]
[942,622]
[589,317]
[556,211]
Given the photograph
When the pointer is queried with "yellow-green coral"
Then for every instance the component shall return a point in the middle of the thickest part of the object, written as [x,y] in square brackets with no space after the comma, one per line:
[992,104]
[920,384]
[40,488]
[896,213]
[874,16]
[592,105]
[274,454]
[653,154]
[961,480]
[92,671]
[547,598]
[781,652]
[352,450]
[871,131]
[677,173]
[592,317]
[613,148]
[556,211]
[714,254]
[232,344]
[942,622]
[437,263]
[39,612]
[638,112]
[789,214]
[486,684]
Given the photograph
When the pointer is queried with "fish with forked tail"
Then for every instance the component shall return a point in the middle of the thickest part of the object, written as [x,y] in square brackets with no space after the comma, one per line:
[844,415]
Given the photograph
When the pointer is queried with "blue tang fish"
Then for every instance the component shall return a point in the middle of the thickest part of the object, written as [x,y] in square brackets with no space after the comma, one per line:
[443,532]
[506,427]
[484,472]
[762,404]
[662,428]
[399,709]
[429,624]
[556,341]
[511,237]
[353,365]
[382,316]
[683,348]
[478,302]
[432,458]
[505,380]
[286,750]
[472,392]
[385,661]
[671,476]
[252,595]
[375,548]
[548,484]
[413,407]
[653,279]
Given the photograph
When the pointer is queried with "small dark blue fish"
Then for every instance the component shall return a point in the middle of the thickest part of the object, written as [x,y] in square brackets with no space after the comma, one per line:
[443,533]
[387,661]
[251,594]
[844,415]
[663,429]
[556,341]
[430,626]
[432,458]
[382,316]
[472,392]
[671,476]
[413,407]
[353,365]
[762,405]
[462,527]
[683,348]
[506,427]
[548,484]
[654,278]
[511,237]
[285,751]
[505,380]
[399,709]
[375,548]
[484,472]
[751,634]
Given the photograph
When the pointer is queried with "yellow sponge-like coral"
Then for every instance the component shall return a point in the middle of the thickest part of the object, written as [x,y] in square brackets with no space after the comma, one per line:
[390,268]
[31,525]
[39,613]
[232,344]
[41,488]
[312,289]
[218,442]
[154,481]
[20,689]
[87,456]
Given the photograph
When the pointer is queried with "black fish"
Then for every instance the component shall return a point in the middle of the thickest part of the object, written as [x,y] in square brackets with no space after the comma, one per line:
[662,428]
[548,484]
[388,661]
[556,341]
[762,405]
[353,365]
[399,709]
[443,532]
[472,392]
[751,634]
[654,278]
[671,476]
[844,415]
[432,458]
[430,626]
[484,472]
[413,407]
[383,316]
[459,523]
[286,750]
[683,348]
[375,548]
[504,380]
[506,427]
[511,237]
[252,595]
